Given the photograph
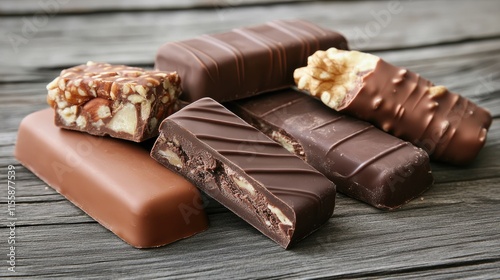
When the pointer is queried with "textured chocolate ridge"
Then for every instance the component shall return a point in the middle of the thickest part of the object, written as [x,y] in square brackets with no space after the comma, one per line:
[245,61]
[207,132]
[448,126]
[364,162]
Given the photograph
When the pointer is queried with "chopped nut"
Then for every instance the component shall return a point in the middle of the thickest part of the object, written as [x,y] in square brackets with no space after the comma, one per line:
[136,98]
[124,120]
[330,75]
[244,184]
[53,85]
[68,114]
[172,157]
[141,90]
[145,110]
[97,108]
[81,122]
[276,211]
[437,91]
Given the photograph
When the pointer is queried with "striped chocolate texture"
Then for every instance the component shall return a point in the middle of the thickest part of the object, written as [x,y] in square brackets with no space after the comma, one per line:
[364,162]
[246,61]
[260,181]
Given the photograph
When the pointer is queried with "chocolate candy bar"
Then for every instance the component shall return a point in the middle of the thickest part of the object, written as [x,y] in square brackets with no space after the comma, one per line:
[114,181]
[116,100]
[364,162]
[448,126]
[260,181]
[245,61]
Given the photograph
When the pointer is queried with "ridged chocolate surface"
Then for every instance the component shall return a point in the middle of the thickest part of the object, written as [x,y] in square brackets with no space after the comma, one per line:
[114,181]
[245,61]
[448,126]
[284,179]
[364,162]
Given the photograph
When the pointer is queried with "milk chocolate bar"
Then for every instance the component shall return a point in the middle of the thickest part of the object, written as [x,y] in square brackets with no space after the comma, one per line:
[260,181]
[448,126]
[363,161]
[115,182]
[116,100]
[245,61]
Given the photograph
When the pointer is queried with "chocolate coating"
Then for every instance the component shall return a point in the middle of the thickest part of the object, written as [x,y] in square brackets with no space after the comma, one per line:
[260,181]
[448,126]
[245,61]
[114,181]
[364,162]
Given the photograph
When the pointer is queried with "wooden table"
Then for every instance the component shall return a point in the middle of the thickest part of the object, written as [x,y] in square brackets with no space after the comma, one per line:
[452,231]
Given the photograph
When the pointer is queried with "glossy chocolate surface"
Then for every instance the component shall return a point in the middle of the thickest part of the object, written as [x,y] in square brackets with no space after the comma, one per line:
[448,126]
[114,181]
[245,61]
[364,162]
[275,191]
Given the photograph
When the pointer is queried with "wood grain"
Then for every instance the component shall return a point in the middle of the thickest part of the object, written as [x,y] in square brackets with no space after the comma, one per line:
[452,231]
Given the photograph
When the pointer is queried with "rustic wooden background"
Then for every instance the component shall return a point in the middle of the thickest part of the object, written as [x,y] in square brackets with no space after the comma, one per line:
[452,231]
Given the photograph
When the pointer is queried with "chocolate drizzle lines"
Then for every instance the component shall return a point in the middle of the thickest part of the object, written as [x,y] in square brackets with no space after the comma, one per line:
[252,153]
[375,158]
[287,104]
[348,137]
[265,42]
[328,122]
[193,51]
[235,140]
[238,56]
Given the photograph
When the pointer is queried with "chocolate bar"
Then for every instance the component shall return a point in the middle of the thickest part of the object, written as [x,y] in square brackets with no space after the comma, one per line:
[245,61]
[364,162]
[116,100]
[448,126]
[114,181]
[260,181]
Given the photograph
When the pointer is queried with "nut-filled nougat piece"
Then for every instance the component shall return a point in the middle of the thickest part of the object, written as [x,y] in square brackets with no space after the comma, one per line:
[448,126]
[256,178]
[115,100]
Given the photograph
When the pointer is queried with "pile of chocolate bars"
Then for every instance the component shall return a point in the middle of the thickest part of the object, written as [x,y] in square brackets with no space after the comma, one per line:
[299,117]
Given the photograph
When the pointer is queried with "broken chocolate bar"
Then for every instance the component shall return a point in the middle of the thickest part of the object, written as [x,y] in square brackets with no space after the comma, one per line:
[364,162]
[246,61]
[448,126]
[116,100]
[260,181]
[114,181]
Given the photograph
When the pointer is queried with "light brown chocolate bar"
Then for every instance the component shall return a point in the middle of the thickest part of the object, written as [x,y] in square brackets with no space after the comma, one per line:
[115,182]
[447,126]
[115,100]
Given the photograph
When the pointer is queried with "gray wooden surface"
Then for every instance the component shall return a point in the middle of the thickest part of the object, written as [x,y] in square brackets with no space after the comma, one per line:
[452,231]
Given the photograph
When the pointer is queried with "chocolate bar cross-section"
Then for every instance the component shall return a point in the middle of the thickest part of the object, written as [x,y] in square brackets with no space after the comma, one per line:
[256,178]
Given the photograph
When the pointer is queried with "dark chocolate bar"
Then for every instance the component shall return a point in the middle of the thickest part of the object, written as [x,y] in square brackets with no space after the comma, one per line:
[117,100]
[260,181]
[364,162]
[114,181]
[447,126]
[245,61]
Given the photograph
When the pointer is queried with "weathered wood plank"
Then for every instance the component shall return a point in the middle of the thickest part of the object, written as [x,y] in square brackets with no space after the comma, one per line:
[350,245]
[133,38]
[15,7]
